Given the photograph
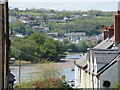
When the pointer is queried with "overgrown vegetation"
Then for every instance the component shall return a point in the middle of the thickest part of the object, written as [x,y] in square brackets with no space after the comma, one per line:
[117,86]
[49,77]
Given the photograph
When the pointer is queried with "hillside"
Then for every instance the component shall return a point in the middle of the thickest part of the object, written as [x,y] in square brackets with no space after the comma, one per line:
[29,21]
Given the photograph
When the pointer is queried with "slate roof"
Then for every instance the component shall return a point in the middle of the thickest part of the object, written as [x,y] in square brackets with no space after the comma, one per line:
[105,44]
[81,62]
[106,66]
[105,54]
[117,46]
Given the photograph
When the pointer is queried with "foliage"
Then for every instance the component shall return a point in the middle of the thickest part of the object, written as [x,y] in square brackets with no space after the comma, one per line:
[48,70]
[47,78]
[52,83]
[71,47]
[117,86]
[37,47]
[80,47]
[83,45]
[22,28]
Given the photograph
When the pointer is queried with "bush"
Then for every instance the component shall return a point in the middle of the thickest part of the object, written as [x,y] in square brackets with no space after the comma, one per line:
[51,83]
[117,86]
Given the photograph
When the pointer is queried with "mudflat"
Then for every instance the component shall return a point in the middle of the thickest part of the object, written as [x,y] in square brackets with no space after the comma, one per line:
[63,64]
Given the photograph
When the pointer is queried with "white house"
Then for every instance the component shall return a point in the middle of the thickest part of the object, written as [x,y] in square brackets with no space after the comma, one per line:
[19,36]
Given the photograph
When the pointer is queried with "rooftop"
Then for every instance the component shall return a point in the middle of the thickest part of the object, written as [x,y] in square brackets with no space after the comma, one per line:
[106,44]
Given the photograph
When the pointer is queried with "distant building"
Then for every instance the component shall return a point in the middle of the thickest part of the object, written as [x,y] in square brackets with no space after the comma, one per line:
[27,20]
[31,19]
[65,19]
[40,28]
[52,20]
[50,16]
[75,34]
[39,17]
[76,37]
[85,15]
[12,19]
[77,16]
[19,36]
[52,34]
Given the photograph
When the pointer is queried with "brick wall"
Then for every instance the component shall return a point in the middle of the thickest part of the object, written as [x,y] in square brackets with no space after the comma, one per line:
[117,27]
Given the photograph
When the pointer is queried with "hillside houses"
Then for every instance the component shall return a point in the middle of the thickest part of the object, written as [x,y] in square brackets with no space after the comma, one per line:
[13,19]
[40,28]
[81,36]
[99,67]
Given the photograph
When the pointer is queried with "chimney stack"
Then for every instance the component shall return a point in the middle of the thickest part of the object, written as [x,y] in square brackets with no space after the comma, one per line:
[111,31]
[108,32]
[117,25]
[105,34]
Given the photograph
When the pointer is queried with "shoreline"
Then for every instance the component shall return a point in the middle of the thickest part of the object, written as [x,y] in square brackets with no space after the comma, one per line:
[28,70]
[63,64]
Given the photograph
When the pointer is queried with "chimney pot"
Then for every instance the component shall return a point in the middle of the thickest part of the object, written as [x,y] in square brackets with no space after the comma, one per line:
[105,34]
[118,12]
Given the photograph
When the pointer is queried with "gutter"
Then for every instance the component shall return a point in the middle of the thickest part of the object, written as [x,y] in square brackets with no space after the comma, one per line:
[84,68]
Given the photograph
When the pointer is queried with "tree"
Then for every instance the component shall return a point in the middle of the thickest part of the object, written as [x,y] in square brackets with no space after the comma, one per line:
[39,38]
[90,44]
[18,27]
[37,47]
[65,41]
[71,47]
[82,46]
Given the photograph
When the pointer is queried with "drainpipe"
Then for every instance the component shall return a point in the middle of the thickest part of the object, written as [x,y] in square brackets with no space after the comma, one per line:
[93,80]
[98,82]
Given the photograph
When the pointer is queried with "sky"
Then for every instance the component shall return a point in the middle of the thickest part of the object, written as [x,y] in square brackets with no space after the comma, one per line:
[104,5]
[63,0]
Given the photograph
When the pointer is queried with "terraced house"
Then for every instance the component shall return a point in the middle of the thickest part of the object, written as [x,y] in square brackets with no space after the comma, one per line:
[99,67]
